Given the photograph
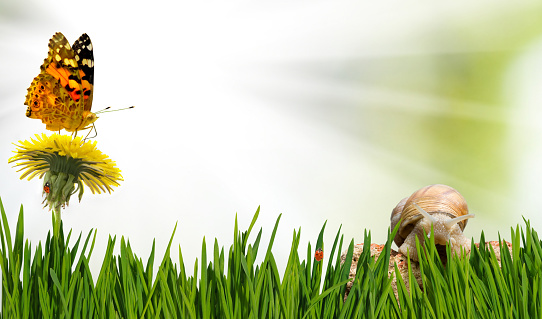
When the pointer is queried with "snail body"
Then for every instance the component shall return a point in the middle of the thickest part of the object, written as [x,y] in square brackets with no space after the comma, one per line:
[438,204]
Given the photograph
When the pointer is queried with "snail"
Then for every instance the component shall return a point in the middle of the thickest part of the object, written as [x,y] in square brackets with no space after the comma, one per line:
[438,204]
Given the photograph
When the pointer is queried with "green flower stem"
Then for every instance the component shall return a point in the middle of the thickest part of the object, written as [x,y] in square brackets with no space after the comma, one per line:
[56,220]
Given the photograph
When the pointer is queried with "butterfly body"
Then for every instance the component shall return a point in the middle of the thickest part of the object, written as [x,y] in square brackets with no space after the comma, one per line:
[61,95]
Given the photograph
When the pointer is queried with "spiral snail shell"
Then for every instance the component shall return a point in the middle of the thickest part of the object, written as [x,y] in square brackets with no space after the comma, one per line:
[438,204]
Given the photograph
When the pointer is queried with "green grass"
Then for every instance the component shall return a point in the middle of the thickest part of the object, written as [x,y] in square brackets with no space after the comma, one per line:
[54,280]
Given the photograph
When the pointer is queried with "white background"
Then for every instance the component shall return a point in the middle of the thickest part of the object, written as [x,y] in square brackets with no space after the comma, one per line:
[241,104]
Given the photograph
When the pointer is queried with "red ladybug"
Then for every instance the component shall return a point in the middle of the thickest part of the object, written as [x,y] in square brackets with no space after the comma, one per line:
[47,187]
[319,254]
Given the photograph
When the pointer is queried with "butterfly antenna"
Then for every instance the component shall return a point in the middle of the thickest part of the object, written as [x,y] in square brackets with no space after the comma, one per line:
[106,110]
[100,111]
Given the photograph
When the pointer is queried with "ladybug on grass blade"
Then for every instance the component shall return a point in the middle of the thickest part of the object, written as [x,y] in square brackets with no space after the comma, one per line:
[319,254]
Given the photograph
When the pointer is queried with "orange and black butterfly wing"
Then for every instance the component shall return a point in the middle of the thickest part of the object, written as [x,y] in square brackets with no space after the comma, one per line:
[85,58]
[57,94]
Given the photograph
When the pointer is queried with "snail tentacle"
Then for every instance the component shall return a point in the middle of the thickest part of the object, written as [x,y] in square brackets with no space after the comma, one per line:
[425,214]
[452,222]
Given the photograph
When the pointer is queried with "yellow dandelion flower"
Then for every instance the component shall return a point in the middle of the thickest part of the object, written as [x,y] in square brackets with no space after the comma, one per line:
[65,164]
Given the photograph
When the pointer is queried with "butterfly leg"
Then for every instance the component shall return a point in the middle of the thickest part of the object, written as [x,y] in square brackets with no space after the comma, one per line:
[91,129]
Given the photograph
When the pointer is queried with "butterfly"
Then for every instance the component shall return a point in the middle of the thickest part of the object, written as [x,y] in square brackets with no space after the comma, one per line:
[319,254]
[61,95]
